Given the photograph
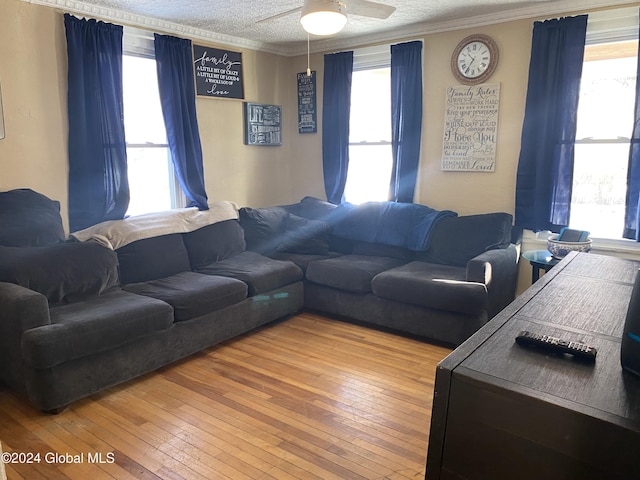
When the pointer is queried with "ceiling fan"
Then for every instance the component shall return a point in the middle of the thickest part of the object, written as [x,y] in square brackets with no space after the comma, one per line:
[326,17]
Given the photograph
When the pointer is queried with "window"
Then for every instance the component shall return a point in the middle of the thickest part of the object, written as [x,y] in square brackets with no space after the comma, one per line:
[370,157]
[152,182]
[605,124]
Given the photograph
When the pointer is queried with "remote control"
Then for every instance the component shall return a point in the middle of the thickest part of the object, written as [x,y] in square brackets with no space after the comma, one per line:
[554,344]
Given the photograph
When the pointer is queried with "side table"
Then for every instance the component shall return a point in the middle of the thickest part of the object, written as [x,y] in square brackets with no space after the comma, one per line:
[539,259]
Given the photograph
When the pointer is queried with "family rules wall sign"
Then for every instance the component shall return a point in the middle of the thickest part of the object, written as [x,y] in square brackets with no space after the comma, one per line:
[471,128]
[218,72]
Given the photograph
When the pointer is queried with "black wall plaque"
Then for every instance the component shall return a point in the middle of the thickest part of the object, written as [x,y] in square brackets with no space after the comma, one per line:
[307,114]
[218,72]
[262,124]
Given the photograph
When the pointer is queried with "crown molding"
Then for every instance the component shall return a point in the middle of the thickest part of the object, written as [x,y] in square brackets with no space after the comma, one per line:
[544,10]
[540,10]
[156,25]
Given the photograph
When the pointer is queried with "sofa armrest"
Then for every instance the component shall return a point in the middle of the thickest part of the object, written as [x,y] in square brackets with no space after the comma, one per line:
[20,309]
[498,270]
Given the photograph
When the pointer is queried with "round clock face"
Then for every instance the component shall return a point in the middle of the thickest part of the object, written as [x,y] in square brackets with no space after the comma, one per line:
[475,59]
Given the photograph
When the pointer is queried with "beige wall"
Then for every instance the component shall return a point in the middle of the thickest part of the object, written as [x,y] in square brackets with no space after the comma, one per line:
[464,192]
[475,192]
[34,152]
[248,175]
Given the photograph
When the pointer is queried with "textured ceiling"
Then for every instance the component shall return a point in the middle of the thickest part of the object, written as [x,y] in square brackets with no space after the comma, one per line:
[238,21]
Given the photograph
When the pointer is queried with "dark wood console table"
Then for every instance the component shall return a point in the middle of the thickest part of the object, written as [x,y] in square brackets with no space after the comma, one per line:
[502,411]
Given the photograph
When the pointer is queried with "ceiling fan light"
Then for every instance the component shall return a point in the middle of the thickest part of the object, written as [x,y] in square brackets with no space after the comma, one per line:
[323,17]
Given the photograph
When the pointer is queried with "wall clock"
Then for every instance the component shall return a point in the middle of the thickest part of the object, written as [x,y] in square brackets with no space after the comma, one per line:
[474,59]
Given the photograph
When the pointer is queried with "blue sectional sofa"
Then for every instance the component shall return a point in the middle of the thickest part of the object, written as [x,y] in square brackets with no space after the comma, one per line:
[126,297]
[78,317]
[402,266]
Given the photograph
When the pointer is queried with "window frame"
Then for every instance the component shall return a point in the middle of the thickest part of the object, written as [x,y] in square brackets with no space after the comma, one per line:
[140,43]
[372,58]
[603,27]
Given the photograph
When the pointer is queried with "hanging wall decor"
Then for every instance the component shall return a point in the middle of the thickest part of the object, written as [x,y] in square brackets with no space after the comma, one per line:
[307,113]
[218,72]
[471,128]
[262,124]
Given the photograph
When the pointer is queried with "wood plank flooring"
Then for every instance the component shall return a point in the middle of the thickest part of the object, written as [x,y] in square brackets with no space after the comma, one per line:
[306,398]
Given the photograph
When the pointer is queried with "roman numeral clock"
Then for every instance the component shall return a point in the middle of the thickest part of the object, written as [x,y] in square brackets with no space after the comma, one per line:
[474,59]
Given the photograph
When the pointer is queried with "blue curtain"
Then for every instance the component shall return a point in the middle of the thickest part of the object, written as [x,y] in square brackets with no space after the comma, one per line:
[632,209]
[336,109]
[545,168]
[406,119]
[98,183]
[174,62]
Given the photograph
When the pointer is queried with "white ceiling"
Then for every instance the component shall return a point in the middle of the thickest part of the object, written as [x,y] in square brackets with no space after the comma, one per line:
[236,22]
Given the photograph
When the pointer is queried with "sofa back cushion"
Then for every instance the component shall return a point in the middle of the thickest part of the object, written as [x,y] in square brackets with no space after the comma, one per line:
[381,250]
[64,273]
[263,227]
[214,242]
[304,236]
[153,258]
[405,225]
[315,209]
[456,240]
[29,219]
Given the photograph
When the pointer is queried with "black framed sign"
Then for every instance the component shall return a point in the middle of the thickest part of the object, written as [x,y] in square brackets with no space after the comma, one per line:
[218,72]
[262,124]
[307,114]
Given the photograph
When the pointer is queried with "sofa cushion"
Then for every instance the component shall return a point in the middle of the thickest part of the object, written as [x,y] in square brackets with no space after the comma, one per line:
[300,259]
[406,225]
[192,294]
[66,272]
[260,273]
[29,219]
[352,273]
[214,242]
[262,227]
[381,250]
[153,258]
[456,240]
[442,287]
[95,325]
[302,235]
[315,209]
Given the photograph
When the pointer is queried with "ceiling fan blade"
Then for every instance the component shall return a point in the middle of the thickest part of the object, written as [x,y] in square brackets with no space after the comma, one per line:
[369,9]
[280,15]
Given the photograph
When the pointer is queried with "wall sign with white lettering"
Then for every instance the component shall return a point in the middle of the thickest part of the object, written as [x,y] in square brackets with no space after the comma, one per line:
[307,115]
[218,72]
[262,124]
[471,128]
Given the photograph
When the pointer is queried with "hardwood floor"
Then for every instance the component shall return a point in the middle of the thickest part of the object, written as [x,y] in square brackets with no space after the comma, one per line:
[306,398]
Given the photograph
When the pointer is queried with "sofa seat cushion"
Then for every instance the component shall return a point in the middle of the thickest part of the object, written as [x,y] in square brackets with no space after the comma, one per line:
[352,273]
[94,325]
[302,260]
[260,273]
[431,285]
[192,294]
